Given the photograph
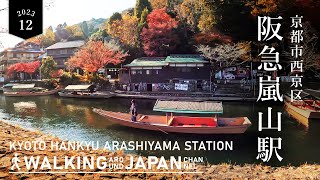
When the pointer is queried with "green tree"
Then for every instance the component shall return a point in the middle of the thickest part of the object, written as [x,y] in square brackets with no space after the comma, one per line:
[85,29]
[143,19]
[140,6]
[48,65]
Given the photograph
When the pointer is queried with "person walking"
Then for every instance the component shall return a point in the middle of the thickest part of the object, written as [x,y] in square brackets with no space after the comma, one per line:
[133,111]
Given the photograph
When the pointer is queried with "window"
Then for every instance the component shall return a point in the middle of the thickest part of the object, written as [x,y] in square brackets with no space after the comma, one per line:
[183,69]
[63,51]
[148,71]
[157,71]
[133,72]
[139,71]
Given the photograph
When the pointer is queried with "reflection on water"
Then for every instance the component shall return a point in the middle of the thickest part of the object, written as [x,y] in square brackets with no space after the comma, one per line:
[73,119]
[22,107]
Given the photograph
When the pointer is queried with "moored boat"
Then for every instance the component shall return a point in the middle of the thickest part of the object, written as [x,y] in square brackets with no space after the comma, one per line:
[84,91]
[303,110]
[313,92]
[8,87]
[182,124]
[21,90]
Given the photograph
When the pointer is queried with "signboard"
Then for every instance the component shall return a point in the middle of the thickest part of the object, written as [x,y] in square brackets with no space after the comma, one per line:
[181,87]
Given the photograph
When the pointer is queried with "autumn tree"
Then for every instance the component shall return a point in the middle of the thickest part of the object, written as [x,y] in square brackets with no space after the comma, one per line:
[212,39]
[48,65]
[94,56]
[159,4]
[75,33]
[159,37]
[263,7]
[226,54]
[29,68]
[125,30]
[48,38]
[199,14]
[115,16]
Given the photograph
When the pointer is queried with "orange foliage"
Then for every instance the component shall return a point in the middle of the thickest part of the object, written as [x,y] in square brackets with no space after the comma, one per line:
[211,39]
[263,7]
[57,73]
[158,4]
[95,55]
[125,29]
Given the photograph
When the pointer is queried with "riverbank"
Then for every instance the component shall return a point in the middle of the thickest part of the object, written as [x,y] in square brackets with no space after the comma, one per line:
[221,171]
[178,96]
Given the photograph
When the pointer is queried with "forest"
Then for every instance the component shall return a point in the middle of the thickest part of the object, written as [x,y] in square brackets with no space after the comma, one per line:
[219,29]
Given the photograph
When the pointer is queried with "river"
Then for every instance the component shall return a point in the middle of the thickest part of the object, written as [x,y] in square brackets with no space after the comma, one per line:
[73,119]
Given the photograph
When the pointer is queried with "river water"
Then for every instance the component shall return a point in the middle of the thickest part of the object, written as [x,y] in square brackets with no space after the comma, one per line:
[73,119]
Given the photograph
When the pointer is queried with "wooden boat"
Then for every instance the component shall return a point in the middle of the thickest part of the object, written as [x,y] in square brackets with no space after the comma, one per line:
[20,90]
[303,110]
[182,124]
[313,92]
[84,91]
[8,87]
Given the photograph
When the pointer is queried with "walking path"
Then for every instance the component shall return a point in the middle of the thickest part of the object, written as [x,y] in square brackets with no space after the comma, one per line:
[221,171]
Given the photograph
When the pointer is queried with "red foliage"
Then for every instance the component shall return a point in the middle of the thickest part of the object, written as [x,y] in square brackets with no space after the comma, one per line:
[57,73]
[29,68]
[211,39]
[159,38]
[95,55]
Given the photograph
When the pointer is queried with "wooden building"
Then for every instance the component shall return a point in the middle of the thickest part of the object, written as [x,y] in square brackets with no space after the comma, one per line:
[62,51]
[174,72]
[23,53]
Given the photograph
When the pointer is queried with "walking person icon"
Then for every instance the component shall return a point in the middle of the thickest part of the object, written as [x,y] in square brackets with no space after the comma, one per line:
[15,162]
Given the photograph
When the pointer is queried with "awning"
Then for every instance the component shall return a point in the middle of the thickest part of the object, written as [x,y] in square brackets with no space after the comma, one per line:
[314,93]
[78,87]
[23,86]
[206,107]
[9,85]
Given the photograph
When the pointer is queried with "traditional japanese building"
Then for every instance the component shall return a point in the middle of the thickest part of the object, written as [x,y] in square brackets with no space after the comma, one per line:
[62,51]
[175,72]
[24,53]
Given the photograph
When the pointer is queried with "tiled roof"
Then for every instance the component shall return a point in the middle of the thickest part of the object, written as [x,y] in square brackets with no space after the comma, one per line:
[22,49]
[67,44]
[185,58]
[162,61]
[148,62]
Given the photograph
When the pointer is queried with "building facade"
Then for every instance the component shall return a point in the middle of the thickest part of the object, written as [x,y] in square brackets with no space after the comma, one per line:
[173,73]
[26,53]
[62,51]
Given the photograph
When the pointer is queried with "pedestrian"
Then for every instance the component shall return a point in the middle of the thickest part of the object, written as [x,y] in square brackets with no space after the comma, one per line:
[133,111]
